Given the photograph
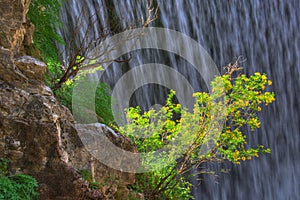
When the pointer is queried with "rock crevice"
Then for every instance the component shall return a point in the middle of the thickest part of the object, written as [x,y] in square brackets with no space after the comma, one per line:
[37,133]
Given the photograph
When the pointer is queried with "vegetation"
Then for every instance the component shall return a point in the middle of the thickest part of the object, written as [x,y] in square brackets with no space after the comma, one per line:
[44,14]
[18,186]
[172,146]
[87,175]
[172,140]
[102,99]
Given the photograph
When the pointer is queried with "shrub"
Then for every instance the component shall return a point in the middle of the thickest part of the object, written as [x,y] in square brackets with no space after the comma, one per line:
[171,147]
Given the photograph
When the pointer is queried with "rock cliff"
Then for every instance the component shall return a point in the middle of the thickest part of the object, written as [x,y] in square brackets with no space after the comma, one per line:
[37,133]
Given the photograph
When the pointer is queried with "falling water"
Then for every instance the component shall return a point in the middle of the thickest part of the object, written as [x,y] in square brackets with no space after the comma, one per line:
[266,35]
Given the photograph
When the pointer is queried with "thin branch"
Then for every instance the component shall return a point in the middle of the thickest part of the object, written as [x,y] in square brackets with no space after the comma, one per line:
[87,44]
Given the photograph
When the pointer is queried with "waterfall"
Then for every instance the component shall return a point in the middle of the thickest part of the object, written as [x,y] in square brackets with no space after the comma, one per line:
[266,35]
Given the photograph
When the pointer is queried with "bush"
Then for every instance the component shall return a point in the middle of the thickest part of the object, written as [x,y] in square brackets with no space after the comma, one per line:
[170,147]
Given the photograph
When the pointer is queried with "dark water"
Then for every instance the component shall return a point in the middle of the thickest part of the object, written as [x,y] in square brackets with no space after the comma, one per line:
[266,35]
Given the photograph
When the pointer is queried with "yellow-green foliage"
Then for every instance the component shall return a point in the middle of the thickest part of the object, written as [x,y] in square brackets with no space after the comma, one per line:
[244,99]
[212,132]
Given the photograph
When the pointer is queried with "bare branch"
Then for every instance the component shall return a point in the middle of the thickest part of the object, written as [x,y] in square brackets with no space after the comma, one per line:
[87,43]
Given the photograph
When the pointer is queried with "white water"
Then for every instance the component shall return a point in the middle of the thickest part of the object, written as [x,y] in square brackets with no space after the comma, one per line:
[266,34]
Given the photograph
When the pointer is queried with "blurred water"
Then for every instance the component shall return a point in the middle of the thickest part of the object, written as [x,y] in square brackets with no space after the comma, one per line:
[266,35]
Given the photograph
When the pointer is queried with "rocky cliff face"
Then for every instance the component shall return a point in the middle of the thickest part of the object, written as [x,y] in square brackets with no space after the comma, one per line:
[37,133]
